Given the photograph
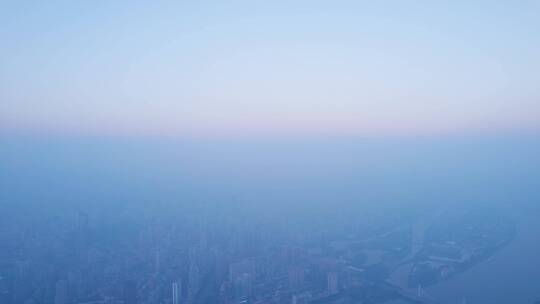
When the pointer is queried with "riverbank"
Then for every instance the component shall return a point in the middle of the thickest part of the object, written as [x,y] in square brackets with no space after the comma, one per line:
[510,275]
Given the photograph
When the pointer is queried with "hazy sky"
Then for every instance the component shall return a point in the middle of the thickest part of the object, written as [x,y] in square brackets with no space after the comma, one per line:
[269,67]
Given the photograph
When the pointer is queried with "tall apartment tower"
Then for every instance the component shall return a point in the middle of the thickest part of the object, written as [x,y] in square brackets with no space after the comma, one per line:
[61,292]
[333,284]
[296,277]
[194,277]
[176,292]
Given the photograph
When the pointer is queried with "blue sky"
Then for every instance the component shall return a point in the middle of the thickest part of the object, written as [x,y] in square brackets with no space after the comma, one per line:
[221,68]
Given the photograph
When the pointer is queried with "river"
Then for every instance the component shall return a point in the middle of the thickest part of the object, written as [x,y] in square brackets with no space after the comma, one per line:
[510,276]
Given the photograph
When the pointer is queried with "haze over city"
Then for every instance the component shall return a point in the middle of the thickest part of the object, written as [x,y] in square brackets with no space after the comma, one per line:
[276,152]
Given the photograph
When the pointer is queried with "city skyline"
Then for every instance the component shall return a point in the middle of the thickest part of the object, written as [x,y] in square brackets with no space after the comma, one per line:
[269,152]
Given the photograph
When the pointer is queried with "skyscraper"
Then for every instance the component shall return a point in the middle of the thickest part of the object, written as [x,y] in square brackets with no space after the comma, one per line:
[130,292]
[296,277]
[194,280]
[333,286]
[82,230]
[241,267]
[302,298]
[61,293]
[176,292]
[157,262]
[243,286]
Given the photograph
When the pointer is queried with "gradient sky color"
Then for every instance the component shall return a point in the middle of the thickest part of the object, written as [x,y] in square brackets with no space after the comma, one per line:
[269,67]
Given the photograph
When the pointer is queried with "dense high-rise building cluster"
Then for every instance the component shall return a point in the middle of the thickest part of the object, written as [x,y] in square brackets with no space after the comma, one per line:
[80,258]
